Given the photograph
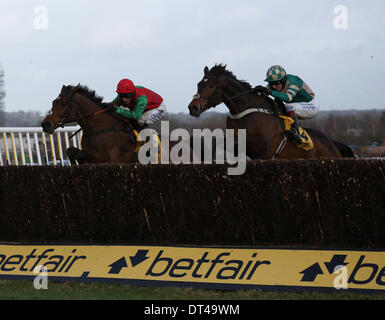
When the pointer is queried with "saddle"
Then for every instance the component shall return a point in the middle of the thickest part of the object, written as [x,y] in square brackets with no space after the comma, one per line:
[306,141]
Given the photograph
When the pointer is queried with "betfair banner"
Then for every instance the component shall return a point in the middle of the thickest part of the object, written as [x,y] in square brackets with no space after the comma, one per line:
[208,267]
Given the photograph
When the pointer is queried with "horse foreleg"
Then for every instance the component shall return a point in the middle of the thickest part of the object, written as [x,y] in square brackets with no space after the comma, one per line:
[75,154]
[72,153]
[259,147]
[83,157]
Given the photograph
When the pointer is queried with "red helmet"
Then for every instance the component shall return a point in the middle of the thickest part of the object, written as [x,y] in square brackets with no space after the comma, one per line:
[125,86]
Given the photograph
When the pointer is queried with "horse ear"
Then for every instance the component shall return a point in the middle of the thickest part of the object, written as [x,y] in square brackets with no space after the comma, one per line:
[75,88]
[206,71]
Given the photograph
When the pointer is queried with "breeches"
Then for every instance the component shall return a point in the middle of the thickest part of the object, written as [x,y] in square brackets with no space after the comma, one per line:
[304,110]
[151,116]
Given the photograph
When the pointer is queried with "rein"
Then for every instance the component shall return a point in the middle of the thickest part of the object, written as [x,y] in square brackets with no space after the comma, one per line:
[82,118]
[236,96]
[100,132]
[239,95]
[61,123]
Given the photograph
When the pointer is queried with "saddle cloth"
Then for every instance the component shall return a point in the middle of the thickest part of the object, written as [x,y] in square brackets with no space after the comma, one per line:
[156,143]
[307,142]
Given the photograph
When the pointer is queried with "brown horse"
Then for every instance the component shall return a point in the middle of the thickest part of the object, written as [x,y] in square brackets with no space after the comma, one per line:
[106,138]
[257,114]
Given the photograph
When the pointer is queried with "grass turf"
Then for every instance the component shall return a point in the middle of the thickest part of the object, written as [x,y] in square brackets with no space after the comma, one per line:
[24,290]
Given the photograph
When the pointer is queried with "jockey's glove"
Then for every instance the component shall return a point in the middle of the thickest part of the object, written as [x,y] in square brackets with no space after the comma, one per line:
[263,90]
[111,107]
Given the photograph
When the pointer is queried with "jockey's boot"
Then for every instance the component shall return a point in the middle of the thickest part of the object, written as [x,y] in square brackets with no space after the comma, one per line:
[134,125]
[294,131]
[139,127]
[130,130]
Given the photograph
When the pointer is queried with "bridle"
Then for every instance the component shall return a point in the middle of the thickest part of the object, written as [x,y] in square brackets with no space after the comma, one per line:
[64,119]
[66,113]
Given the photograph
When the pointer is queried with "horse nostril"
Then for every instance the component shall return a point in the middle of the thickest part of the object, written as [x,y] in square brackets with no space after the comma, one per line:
[45,126]
[194,109]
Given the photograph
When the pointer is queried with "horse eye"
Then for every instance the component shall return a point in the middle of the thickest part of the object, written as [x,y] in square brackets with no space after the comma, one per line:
[63,104]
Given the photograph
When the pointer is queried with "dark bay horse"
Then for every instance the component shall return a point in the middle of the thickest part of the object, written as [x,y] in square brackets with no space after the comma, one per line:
[257,114]
[106,138]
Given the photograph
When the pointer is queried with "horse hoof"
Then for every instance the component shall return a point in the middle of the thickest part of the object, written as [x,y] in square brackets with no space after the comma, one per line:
[72,151]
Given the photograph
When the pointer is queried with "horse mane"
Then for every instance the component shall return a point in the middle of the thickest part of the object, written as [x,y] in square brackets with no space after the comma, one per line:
[220,69]
[90,94]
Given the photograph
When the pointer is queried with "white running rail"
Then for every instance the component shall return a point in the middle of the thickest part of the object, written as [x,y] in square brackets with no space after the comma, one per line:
[31,146]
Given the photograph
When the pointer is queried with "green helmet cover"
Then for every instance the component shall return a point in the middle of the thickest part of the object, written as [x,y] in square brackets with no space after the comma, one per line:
[275,73]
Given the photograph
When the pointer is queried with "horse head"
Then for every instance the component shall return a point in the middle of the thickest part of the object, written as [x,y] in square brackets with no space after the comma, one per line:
[62,110]
[209,93]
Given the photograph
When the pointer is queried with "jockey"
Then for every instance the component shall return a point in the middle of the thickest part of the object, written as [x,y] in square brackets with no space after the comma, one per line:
[138,103]
[295,94]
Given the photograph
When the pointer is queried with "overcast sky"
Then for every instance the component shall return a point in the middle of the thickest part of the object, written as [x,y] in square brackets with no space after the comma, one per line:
[165,44]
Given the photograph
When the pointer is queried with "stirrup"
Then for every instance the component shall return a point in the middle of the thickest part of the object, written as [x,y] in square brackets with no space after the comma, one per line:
[293,135]
[290,132]
[296,138]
